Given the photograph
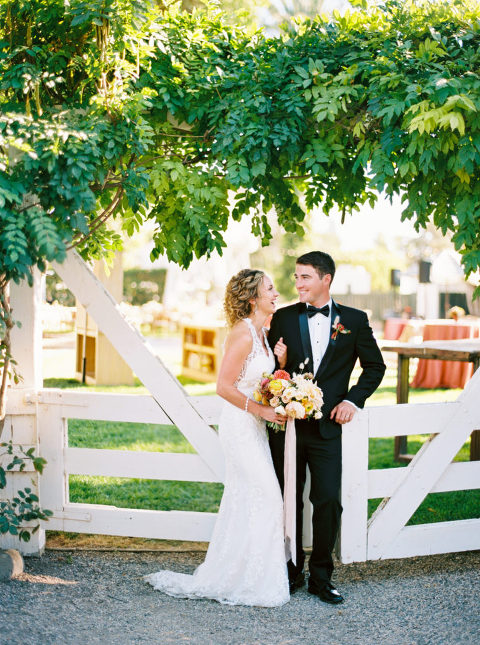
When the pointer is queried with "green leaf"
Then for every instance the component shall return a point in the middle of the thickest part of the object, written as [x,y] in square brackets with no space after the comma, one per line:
[302,71]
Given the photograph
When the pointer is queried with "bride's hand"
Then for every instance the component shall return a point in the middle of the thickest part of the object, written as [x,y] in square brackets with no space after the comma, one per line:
[280,351]
[268,413]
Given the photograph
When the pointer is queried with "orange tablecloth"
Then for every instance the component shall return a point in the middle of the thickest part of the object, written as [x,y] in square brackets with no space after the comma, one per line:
[402,329]
[433,373]
[393,328]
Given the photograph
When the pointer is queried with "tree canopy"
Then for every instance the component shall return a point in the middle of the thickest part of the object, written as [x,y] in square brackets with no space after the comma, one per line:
[140,111]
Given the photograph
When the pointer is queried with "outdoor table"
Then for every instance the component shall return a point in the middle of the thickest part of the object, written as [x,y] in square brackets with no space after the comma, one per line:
[438,373]
[465,351]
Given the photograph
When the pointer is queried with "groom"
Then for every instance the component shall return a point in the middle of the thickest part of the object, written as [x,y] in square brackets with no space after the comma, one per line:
[331,337]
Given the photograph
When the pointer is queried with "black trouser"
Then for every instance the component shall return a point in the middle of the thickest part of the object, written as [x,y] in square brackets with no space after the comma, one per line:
[324,459]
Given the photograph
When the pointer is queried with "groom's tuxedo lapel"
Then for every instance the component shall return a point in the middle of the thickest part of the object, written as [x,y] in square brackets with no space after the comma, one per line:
[331,343]
[305,336]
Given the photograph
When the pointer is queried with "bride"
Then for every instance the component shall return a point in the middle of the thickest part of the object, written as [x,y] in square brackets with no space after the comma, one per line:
[245,562]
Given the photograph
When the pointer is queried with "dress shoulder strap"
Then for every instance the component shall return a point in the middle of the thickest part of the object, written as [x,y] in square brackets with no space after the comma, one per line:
[249,325]
[256,340]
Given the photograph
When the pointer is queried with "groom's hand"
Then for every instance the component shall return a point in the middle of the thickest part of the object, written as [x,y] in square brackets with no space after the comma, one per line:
[280,351]
[343,412]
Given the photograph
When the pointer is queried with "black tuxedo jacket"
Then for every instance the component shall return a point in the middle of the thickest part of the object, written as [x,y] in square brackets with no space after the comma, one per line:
[334,372]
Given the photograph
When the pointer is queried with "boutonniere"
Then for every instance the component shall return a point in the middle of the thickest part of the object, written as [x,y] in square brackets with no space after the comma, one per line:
[338,328]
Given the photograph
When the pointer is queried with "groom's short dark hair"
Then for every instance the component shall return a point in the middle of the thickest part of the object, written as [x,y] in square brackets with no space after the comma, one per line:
[320,261]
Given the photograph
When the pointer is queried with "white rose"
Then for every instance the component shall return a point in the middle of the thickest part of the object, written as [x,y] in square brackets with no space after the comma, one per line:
[295,409]
[288,394]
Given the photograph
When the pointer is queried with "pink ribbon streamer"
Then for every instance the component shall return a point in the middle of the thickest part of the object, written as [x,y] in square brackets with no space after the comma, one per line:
[289,491]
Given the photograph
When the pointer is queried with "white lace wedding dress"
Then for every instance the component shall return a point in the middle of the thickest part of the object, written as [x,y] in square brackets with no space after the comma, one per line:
[245,562]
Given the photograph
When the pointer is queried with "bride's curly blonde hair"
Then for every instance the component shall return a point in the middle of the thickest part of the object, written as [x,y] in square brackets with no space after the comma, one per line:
[241,288]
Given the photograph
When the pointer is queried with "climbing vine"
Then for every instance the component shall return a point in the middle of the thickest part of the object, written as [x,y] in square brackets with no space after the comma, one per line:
[138,111]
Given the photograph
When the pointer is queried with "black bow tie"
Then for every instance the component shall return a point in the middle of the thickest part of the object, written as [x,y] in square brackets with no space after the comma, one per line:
[312,311]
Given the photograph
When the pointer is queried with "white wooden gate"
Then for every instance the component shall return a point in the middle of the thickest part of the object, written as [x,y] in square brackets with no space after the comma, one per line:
[403,489]
[167,405]
[55,407]
[48,412]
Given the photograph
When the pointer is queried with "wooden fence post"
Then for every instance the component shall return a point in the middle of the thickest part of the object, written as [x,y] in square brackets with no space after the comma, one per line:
[475,436]
[353,531]
[53,442]
[27,351]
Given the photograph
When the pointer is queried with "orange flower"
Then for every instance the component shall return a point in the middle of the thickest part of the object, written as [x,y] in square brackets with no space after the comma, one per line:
[281,374]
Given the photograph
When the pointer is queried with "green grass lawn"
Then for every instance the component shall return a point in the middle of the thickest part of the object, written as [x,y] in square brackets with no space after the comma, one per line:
[171,495]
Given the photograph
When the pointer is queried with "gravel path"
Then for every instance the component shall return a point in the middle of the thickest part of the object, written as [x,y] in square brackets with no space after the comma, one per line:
[87,598]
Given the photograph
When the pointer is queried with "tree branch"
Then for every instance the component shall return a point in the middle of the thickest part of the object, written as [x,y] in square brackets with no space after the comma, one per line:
[25,208]
[5,349]
[183,135]
[98,221]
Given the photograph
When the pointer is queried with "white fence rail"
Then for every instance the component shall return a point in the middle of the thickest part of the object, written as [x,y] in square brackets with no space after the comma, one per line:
[386,534]
[40,416]
[52,410]
[360,539]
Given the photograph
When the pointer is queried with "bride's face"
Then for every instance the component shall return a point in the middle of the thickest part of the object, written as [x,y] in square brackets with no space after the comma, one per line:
[266,298]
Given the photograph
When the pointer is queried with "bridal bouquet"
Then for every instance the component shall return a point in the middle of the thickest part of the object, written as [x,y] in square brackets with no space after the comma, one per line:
[297,396]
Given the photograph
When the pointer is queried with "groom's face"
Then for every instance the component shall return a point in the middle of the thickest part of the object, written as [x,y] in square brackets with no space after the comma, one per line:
[310,286]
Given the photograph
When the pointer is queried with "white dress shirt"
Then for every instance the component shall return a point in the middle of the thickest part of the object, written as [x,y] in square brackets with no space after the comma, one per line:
[320,327]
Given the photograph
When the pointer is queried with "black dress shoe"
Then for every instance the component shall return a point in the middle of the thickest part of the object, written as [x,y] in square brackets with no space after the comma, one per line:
[297,582]
[326,593]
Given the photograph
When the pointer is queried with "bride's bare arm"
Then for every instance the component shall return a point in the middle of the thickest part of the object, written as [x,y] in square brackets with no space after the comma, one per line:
[238,345]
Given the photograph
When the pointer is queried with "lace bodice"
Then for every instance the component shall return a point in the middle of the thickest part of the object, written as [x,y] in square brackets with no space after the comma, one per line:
[257,362]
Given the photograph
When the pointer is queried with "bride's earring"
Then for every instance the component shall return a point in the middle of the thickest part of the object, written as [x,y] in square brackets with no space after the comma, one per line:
[256,308]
